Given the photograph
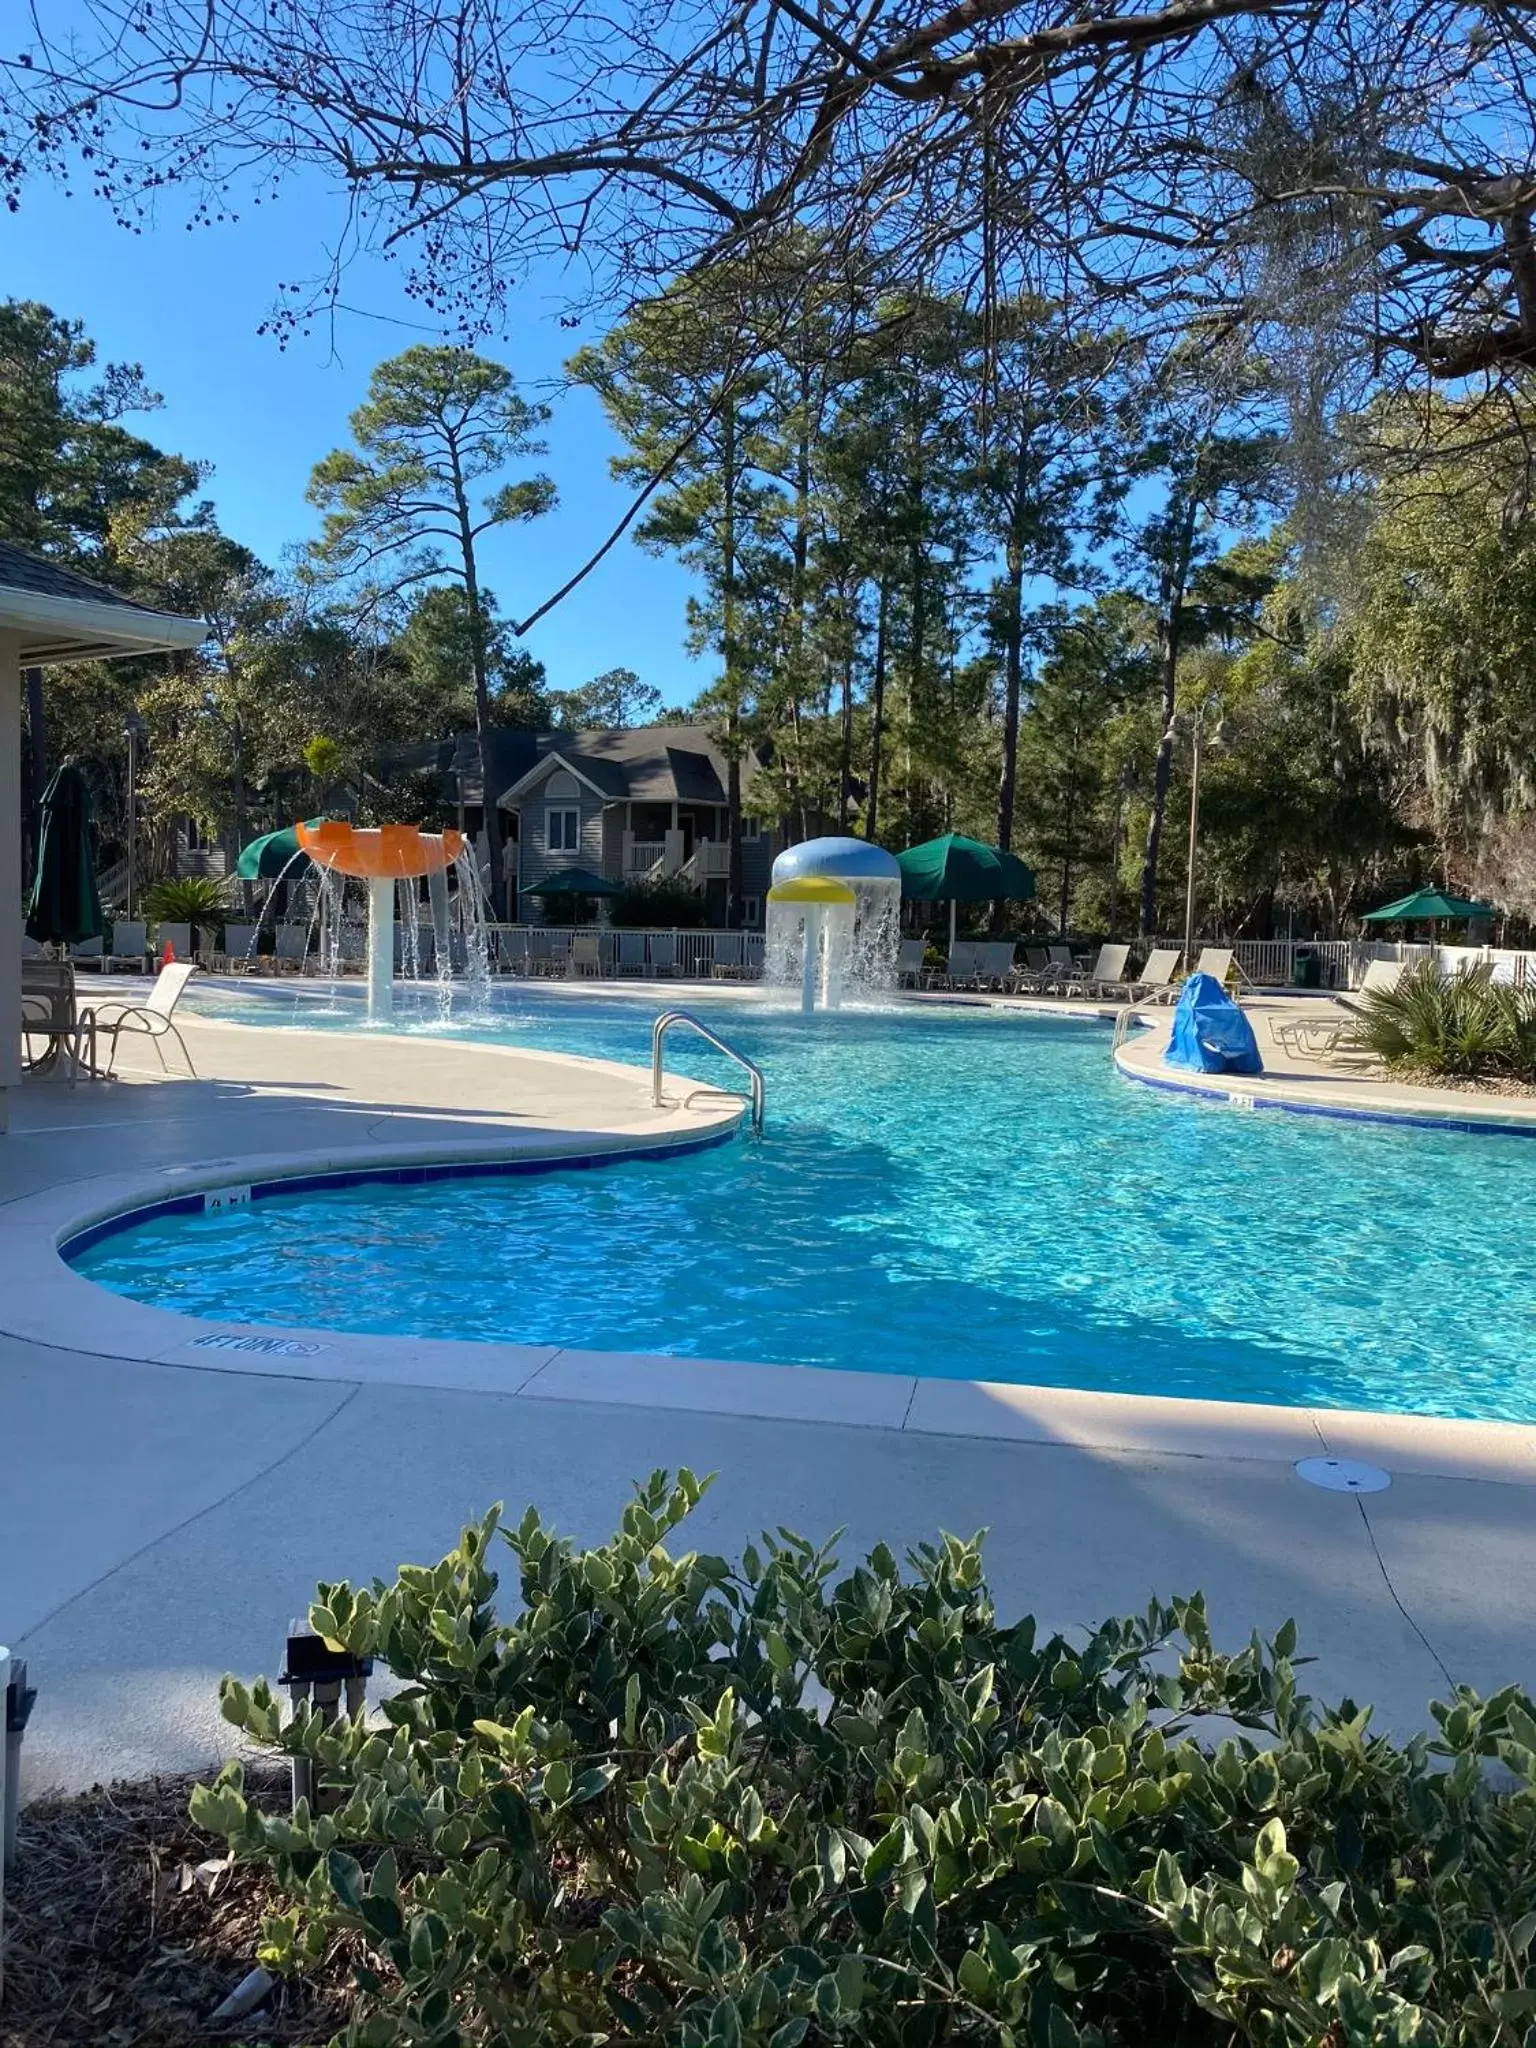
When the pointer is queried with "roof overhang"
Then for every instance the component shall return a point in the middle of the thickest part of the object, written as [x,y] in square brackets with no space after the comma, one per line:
[53,629]
[540,769]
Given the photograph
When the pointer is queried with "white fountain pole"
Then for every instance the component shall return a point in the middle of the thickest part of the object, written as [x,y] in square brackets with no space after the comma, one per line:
[381,947]
[814,916]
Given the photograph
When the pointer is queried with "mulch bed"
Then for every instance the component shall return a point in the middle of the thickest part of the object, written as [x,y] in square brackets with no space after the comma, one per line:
[124,1924]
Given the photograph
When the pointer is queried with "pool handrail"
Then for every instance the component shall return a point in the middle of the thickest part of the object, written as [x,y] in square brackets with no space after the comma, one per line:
[659,1032]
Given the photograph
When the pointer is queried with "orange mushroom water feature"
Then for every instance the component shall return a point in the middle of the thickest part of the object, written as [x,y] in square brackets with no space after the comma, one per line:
[380,855]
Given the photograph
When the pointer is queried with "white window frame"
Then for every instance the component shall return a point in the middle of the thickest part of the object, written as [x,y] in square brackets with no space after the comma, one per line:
[751,826]
[562,844]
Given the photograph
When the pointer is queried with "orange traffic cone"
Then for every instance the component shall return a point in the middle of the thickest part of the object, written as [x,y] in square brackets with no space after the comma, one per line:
[167,954]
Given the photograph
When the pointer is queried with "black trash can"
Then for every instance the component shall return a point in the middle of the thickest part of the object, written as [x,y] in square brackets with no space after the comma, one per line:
[1306,970]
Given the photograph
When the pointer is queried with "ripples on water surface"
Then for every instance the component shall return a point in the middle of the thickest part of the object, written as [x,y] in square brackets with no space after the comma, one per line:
[957,1193]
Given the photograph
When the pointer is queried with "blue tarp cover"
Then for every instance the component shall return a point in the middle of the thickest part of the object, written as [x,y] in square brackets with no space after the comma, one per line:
[1210,1032]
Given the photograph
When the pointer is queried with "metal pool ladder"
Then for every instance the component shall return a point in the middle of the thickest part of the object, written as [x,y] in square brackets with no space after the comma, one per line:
[659,1032]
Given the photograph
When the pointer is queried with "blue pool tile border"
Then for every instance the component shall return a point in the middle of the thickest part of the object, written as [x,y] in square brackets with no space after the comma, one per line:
[191,1203]
[1475,1127]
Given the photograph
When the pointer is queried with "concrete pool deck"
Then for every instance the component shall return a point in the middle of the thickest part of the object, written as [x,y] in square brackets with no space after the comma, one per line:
[164,1510]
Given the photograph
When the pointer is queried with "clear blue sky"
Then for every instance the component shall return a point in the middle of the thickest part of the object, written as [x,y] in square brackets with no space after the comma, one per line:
[187,306]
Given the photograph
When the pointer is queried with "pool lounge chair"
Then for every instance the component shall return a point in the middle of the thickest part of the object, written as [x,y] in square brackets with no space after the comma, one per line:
[155,1015]
[959,970]
[1107,975]
[1155,982]
[130,944]
[664,953]
[290,946]
[909,963]
[1059,969]
[1325,1037]
[994,963]
[583,956]
[1216,961]
[631,959]
[90,953]
[177,936]
[240,947]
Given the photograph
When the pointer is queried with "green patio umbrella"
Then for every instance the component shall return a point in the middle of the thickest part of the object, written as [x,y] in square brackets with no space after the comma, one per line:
[65,908]
[575,882]
[1429,905]
[964,871]
[265,858]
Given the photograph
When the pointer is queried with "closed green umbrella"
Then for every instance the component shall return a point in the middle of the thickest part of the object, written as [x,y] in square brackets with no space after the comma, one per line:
[265,858]
[963,871]
[65,909]
[575,882]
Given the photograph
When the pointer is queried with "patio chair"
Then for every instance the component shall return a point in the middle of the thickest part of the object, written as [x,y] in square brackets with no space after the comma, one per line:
[155,1015]
[90,953]
[1216,961]
[1321,1038]
[177,936]
[1155,982]
[511,949]
[290,947]
[663,952]
[730,961]
[240,947]
[994,963]
[631,958]
[583,956]
[559,953]
[1058,970]
[909,962]
[1106,976]
[959,970]
[130,944]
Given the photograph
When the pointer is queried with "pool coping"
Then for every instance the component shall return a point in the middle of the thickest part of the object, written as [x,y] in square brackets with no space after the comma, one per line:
[1297,1095]
[45,1302]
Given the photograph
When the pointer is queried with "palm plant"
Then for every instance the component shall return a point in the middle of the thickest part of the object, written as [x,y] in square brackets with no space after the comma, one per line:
[195,900]
[1459,1024]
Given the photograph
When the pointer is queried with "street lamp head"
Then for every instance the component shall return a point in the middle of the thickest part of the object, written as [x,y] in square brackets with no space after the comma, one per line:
[133,724]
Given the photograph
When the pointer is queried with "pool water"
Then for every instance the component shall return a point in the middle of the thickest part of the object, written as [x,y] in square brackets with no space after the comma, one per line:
[961,1193]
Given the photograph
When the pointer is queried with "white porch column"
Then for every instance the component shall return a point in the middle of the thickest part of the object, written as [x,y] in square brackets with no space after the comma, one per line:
[10,869]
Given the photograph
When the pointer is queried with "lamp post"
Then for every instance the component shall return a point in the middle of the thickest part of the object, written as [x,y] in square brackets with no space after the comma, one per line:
[1195,721]
[133,728]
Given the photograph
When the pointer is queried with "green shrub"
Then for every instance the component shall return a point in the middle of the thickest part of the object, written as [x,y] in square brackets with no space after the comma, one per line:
[1434,1023]
[676,1801]
[197,900]
[662,905]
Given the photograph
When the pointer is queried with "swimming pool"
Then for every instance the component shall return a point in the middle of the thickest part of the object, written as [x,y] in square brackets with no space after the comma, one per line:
[962,1193]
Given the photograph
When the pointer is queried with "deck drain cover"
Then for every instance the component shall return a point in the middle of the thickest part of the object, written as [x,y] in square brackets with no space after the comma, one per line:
[1343,1475]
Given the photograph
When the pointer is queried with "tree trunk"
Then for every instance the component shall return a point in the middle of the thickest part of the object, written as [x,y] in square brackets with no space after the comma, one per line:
[1170,625]
[489,813]
[877,715]
[734,884]
[1013,658]
[845,757]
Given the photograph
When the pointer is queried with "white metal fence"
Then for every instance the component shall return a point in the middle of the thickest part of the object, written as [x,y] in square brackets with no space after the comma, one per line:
[1271,963]
[548,949]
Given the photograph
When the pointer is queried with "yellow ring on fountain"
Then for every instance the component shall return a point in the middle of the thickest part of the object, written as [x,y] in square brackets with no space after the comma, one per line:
[811,889]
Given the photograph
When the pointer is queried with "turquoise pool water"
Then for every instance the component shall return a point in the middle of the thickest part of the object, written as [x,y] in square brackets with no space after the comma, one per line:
[961,1193]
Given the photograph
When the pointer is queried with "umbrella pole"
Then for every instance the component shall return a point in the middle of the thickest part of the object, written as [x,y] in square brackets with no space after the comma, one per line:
[952,906]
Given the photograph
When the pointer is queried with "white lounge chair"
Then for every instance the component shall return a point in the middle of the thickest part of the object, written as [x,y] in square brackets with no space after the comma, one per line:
[1216,961]
[155,1015]
[994,963]
[130,944]
[177,936]
[1106,976]
[290,947]
[1155,983]
[583,956]
[1324,1037]
[511,949]
[909,962]
[959,970]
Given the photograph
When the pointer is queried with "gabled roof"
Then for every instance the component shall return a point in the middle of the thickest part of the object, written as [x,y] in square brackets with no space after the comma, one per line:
[547,763]
[643,763]
[63,616]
